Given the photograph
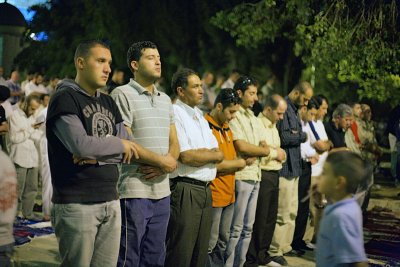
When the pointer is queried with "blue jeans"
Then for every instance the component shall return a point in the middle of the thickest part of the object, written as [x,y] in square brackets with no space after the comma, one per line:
[88,234]
[143,231]
[220,231]
[242,222]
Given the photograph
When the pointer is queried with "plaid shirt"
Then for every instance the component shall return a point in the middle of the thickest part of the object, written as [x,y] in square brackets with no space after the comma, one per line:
[14,88]
[291,137]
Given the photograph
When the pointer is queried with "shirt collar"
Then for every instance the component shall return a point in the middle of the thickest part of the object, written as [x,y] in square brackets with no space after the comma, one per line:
[193,112]
[212,121]
[267,123]
[246,111]
[291,104]
[339,130]
[141,90]
[332,207]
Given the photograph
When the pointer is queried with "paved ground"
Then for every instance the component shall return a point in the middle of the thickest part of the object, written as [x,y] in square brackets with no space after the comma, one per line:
[42,251]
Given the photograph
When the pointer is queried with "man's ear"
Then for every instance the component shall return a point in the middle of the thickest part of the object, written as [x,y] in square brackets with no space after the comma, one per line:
[240,93]
[134,65]
[180,91]
[219,107]
[341,182]
[268,109]
[80,62]
[296,94]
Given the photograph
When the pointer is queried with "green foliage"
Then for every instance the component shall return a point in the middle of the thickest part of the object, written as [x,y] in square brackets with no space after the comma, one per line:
[350,49]
[180,28]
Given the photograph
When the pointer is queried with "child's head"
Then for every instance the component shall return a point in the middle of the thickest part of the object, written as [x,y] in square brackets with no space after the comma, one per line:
[343,172]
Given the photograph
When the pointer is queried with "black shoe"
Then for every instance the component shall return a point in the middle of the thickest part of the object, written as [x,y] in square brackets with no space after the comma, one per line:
[302,246]
[294,253]
[37,208]
[280,259]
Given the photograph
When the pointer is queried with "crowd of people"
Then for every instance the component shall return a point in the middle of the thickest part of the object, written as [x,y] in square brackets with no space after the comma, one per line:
[212,178]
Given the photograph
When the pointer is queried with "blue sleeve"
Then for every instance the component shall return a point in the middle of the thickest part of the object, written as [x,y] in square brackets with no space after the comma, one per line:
[347,239]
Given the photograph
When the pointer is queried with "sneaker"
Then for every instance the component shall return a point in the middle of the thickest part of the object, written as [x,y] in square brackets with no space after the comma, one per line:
[311,245]
[376,186]
[37,207]
[272,264]
[280,260]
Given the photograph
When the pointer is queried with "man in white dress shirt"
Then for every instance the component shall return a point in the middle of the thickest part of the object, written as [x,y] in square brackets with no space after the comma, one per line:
[189,226]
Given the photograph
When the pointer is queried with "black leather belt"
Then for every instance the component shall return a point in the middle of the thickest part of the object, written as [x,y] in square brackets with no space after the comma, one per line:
[190,181]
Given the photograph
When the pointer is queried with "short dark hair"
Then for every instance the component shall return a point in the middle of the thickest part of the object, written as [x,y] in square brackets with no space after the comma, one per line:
[227,97]
[353,103]
[235,71]
[313,103]
[83,48]
[135,51]
[42,96]
[351,166]
[180,79]
[321,99]
[272,101]
[118,69]
[243,83]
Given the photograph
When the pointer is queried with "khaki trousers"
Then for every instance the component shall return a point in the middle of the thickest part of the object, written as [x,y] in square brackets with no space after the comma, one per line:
[287,212]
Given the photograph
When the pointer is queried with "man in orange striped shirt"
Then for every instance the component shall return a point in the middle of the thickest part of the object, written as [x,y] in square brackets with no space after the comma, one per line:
[223,186]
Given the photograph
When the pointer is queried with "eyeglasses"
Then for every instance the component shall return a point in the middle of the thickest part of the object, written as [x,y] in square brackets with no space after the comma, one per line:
[246,82]
[230,96]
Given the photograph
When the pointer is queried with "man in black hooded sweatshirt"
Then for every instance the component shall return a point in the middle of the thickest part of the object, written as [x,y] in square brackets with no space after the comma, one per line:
[86,139]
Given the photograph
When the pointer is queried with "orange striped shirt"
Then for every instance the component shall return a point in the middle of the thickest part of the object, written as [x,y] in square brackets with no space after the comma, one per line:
[223,186]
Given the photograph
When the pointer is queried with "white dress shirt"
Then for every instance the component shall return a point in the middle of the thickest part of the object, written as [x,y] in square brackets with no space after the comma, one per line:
[193,133]
[316,169]
[307,151]
[22,137]
[37,88]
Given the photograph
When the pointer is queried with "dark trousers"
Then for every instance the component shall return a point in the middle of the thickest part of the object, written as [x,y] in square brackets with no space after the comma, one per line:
[189,226]
[6,252]
[143,231]
[264,224]
[303,210]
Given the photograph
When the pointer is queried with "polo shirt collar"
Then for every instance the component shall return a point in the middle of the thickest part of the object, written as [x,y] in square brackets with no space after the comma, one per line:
[141,90]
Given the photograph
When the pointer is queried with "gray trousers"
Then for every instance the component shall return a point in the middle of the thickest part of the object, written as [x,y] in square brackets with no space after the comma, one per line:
[88,234]
[27,189]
